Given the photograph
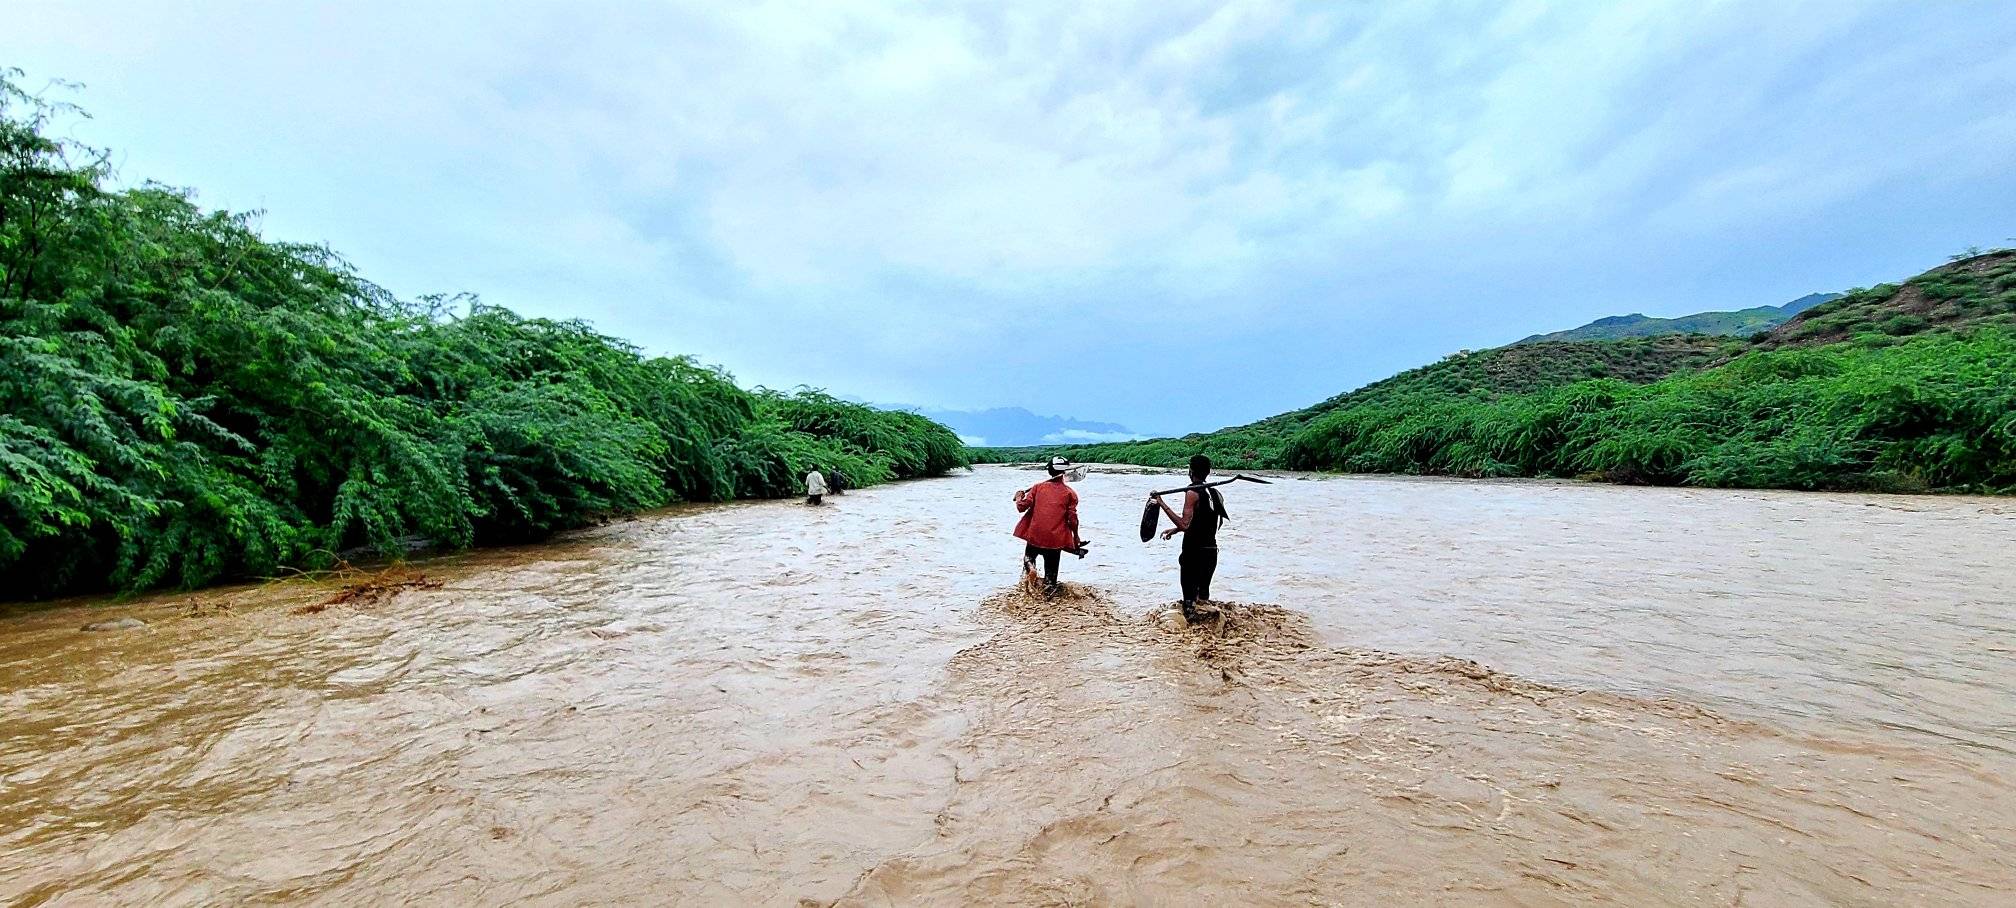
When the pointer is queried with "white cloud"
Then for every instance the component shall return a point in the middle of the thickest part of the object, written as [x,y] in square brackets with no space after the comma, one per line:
[968,204]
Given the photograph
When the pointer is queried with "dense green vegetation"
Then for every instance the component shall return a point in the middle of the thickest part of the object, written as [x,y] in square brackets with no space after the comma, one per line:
[1935,412]
[1975,291]
[1480,377]
[1732,323]
[1898,388]
[183,401]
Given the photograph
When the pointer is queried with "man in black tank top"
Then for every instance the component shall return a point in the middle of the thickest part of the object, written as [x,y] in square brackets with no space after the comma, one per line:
[1203,513]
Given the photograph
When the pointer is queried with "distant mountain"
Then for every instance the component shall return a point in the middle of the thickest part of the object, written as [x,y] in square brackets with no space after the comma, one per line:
[1740,323]
[1808,301]
[1017,426]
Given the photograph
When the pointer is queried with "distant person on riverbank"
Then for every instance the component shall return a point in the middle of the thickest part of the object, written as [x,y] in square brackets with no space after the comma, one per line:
[815,487]
[1049,524]
[1203,512]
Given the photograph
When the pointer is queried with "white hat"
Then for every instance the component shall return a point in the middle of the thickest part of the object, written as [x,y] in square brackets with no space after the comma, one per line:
[1060,464]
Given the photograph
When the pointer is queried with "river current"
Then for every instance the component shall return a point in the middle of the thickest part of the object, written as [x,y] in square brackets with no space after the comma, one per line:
[1422,691]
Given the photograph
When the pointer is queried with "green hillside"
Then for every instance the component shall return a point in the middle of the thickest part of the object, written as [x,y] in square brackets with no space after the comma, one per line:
[1978,290]
[1901,387]
[183,401]
[1482,375]
[1738,323]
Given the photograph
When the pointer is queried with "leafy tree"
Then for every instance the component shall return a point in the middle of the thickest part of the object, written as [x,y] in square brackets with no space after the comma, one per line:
[182,400]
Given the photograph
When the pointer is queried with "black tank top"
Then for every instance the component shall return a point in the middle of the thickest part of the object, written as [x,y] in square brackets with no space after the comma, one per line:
[1204,521]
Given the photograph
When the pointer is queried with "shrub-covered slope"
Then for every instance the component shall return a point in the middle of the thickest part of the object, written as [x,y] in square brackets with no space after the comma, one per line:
[183,401]
[1899,387]
[1979,290]
[1934,412]
[1483,375]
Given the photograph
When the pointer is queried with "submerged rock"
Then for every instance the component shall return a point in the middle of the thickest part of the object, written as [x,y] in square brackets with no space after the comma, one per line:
[116,624]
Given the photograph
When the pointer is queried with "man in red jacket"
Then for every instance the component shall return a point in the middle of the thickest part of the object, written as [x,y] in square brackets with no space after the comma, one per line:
[1049,523]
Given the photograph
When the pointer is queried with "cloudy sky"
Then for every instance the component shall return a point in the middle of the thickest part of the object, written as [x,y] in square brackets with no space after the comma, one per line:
[1171,215]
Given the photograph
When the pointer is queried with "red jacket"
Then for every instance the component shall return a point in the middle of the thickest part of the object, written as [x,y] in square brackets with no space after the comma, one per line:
[1049,516]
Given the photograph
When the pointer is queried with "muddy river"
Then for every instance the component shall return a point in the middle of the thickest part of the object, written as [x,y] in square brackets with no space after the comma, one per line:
[1425,692]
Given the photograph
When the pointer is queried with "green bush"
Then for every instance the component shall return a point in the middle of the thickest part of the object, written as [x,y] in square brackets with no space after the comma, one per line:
[1933,412]
[182,401]
[1873,390]
[1478,378]
[1902,324]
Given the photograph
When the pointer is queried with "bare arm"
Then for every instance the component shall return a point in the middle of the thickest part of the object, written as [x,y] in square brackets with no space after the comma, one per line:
[1181,521]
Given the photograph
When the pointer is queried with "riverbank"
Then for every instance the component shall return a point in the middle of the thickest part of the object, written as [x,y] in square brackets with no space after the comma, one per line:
[1431,691]
[184,401]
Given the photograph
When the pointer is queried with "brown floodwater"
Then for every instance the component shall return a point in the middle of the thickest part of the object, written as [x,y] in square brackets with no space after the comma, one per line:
[1424,692]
